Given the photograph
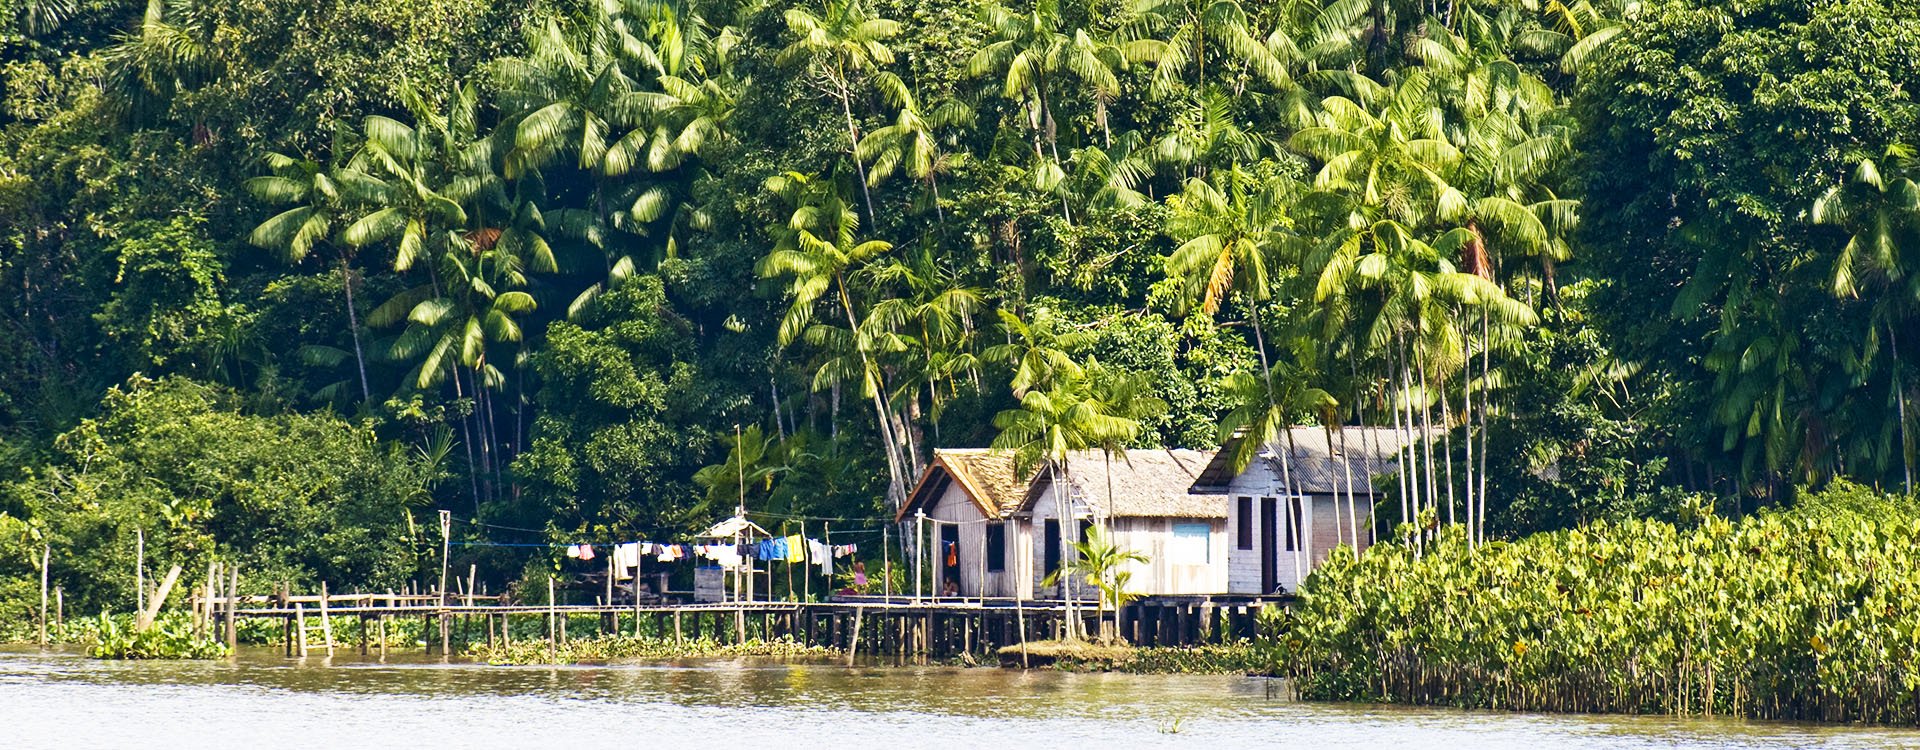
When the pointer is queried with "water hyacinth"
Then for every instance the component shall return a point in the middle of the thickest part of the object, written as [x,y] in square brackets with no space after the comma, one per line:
[1806,614]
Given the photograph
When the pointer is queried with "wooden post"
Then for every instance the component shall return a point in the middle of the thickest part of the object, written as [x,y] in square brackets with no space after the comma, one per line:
[59,607]
[854,642]
[553,635]
[300,626]
[233,608]
[46,555]
[1020,615]
[383,636]
[203,614]
[677,641]
[139,570]
[145,620]
[326,620]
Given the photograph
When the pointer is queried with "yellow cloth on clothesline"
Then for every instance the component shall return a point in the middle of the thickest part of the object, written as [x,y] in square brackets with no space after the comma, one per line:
[796,549]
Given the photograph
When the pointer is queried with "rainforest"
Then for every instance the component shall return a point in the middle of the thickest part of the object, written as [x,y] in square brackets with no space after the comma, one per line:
[284,280]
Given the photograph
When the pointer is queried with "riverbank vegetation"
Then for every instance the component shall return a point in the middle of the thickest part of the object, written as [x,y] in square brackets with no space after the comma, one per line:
[1239,657]
[284,279]
[613,648]
[1802,614]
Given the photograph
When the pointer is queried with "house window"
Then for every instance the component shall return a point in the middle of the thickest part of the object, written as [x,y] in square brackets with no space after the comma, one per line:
[1293,524]
[1191,544]
[1052,553]
[1244,529]
[996,547]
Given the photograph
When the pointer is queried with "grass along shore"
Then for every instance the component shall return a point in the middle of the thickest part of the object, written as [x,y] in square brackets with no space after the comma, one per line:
[609,648]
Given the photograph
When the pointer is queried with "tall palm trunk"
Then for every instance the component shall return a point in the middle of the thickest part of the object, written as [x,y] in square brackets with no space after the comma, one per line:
[1063,510]
[1900,406]
[1286,504]
[1426,429]
[1353,523]
[1466,421]
[1399,428]
[353,326]
[853,141]
[1486,401]
[896,484]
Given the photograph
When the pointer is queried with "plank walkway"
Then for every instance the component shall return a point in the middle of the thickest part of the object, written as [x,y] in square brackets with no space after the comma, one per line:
[941,628]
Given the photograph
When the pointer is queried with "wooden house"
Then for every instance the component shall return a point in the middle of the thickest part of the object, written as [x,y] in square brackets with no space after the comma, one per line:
[1145,499]
[969,497]
[1290,507]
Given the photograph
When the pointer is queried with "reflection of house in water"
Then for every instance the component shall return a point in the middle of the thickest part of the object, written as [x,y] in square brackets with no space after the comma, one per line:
[1203,529]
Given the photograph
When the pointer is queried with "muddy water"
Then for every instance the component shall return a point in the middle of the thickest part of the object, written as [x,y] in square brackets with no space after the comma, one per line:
[64,700]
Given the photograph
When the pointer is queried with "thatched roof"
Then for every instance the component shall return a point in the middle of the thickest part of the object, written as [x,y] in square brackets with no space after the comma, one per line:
[1315,458]
[986,476]
[1146,483]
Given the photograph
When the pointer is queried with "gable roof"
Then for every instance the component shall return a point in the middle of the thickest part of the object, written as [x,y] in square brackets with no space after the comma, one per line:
[1145,483]
[987,477]
[1315,458]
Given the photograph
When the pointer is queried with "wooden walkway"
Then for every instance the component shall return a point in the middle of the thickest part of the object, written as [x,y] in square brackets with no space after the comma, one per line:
[900,626]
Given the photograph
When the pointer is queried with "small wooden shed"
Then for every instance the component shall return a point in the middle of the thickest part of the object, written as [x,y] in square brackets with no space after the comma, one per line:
[969,497]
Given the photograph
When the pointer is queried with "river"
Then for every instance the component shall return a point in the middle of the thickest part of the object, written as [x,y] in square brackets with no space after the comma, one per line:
[60,699]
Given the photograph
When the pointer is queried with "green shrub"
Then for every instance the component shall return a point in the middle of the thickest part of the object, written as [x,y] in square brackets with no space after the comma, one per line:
[1804,614]
[171,637]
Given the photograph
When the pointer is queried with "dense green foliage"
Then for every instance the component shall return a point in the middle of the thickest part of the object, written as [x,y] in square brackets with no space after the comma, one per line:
[1802,614]
[284,277]
[171,637]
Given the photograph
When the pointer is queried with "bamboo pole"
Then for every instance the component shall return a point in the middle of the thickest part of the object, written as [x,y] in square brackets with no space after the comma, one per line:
[139,570]
[46,556]
[300,626]
[233,608]
[326,620]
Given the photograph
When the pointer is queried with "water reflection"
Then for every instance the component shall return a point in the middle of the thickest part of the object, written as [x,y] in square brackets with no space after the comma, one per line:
[65,699]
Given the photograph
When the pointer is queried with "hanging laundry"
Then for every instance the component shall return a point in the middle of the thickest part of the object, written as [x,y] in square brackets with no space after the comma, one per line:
[573,551]
[794,548]
[953,553]
[626,557]
[821,555]
[586,552]
[842,550]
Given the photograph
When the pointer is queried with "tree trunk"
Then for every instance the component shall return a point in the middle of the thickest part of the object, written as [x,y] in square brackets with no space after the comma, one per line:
[1486,401]
[1900,405]
[853,145]
[896,485]
[1426,430]
[353,326]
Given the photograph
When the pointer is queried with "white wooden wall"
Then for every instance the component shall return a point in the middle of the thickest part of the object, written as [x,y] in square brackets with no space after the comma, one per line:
[954,505]
[1319,532]
[1148,536]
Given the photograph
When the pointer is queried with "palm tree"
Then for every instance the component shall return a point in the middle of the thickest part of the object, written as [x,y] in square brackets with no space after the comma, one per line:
[839,48]
[1037,347]
[1229,230]
[315,201]
[816,251]
[1263,410]
[1099,560]
[1048,425]
[1187,26]
[910,144]
[1878,205]
[1029,51]
[568,94]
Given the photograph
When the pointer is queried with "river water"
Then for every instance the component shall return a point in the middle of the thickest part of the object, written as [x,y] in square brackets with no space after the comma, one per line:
[64,700]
